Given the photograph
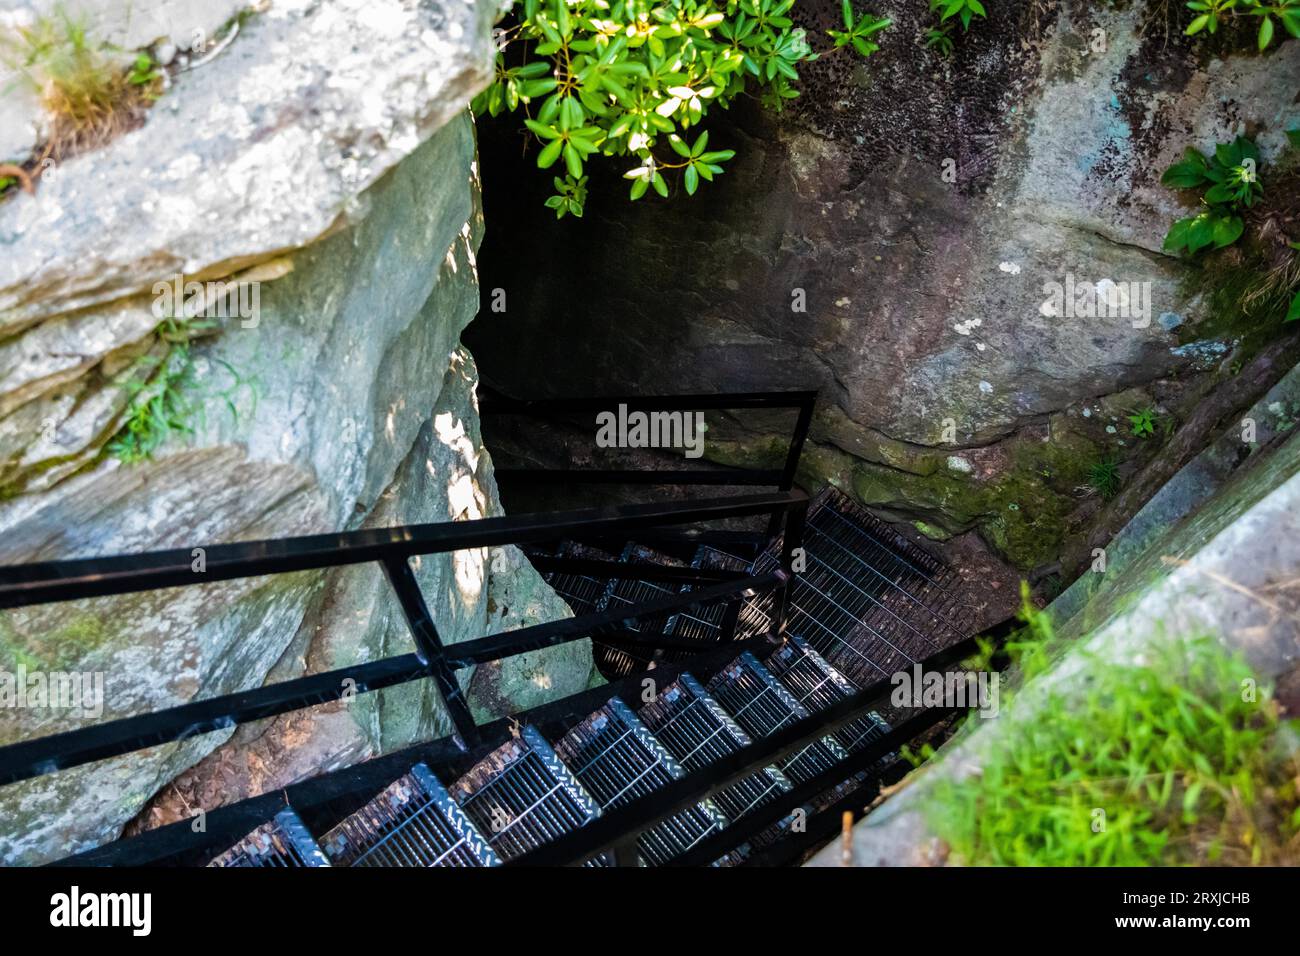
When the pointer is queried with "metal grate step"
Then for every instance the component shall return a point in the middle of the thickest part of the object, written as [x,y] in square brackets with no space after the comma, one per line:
[618,662]
[815,684]
[761,705]
[281,842]
[697,731]
[755,613]
[616,758]
[704,624]
[521,796]
[868,600]
[412,822]
[582,592]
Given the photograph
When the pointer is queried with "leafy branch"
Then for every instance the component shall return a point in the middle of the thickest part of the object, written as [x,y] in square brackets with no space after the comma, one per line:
[624,78]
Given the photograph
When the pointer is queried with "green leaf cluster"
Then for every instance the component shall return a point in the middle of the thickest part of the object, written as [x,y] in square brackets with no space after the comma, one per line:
[857,32]
[627,78]
[1230,180]
[1143,422]
[963,10]
[160,393]
[940,39]
[143,70]
[1211,14]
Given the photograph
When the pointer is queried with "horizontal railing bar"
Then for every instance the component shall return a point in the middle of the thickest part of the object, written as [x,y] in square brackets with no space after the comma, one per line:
[615,826]
[75,747]
[631,476]
[630,571]
[758,820]
[49,581]
[33,758]
[362,780]
[495,403]
[538,636]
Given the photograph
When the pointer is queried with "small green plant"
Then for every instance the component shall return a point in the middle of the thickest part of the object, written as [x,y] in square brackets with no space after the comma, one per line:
[1166,759]
[629,78]
[143,71]
[963,10]
[570,196]
[1211,14]
[1103,477]
[858,32]
[159,402]
[939,39]
[1143,422]
[1230,180]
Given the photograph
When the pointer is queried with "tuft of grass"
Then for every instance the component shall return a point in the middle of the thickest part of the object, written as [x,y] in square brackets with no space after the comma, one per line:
[88,96]
[1103,477]
[161,395]
[1178,758]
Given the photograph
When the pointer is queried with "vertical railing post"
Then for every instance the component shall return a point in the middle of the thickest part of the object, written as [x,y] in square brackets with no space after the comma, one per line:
[428,647]
[791,548]
[797,439]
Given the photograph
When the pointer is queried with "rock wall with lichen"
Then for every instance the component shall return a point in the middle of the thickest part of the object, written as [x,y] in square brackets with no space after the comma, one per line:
[1212,554]
[324,160]
[888,239]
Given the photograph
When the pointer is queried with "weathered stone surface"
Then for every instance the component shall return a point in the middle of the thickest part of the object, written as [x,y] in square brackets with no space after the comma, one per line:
[1214,553]
[120,26]
[265,149]
[925,298]
[344,401]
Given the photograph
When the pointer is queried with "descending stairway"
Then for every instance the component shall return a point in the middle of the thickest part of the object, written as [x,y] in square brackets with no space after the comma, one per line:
[618,760]
[866,604]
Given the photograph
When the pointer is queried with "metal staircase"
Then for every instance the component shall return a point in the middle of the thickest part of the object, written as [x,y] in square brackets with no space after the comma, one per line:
[527,792]
[749,675]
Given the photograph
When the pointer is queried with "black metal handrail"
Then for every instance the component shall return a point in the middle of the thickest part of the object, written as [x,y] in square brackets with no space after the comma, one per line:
[392,548]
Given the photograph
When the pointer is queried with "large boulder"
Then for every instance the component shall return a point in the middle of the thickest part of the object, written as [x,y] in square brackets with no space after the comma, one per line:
[324,166]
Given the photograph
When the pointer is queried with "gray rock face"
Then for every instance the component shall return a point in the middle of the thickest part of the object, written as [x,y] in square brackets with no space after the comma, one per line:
[337,193]
[137,23]
[326,98]
[927,306]
[121,26]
